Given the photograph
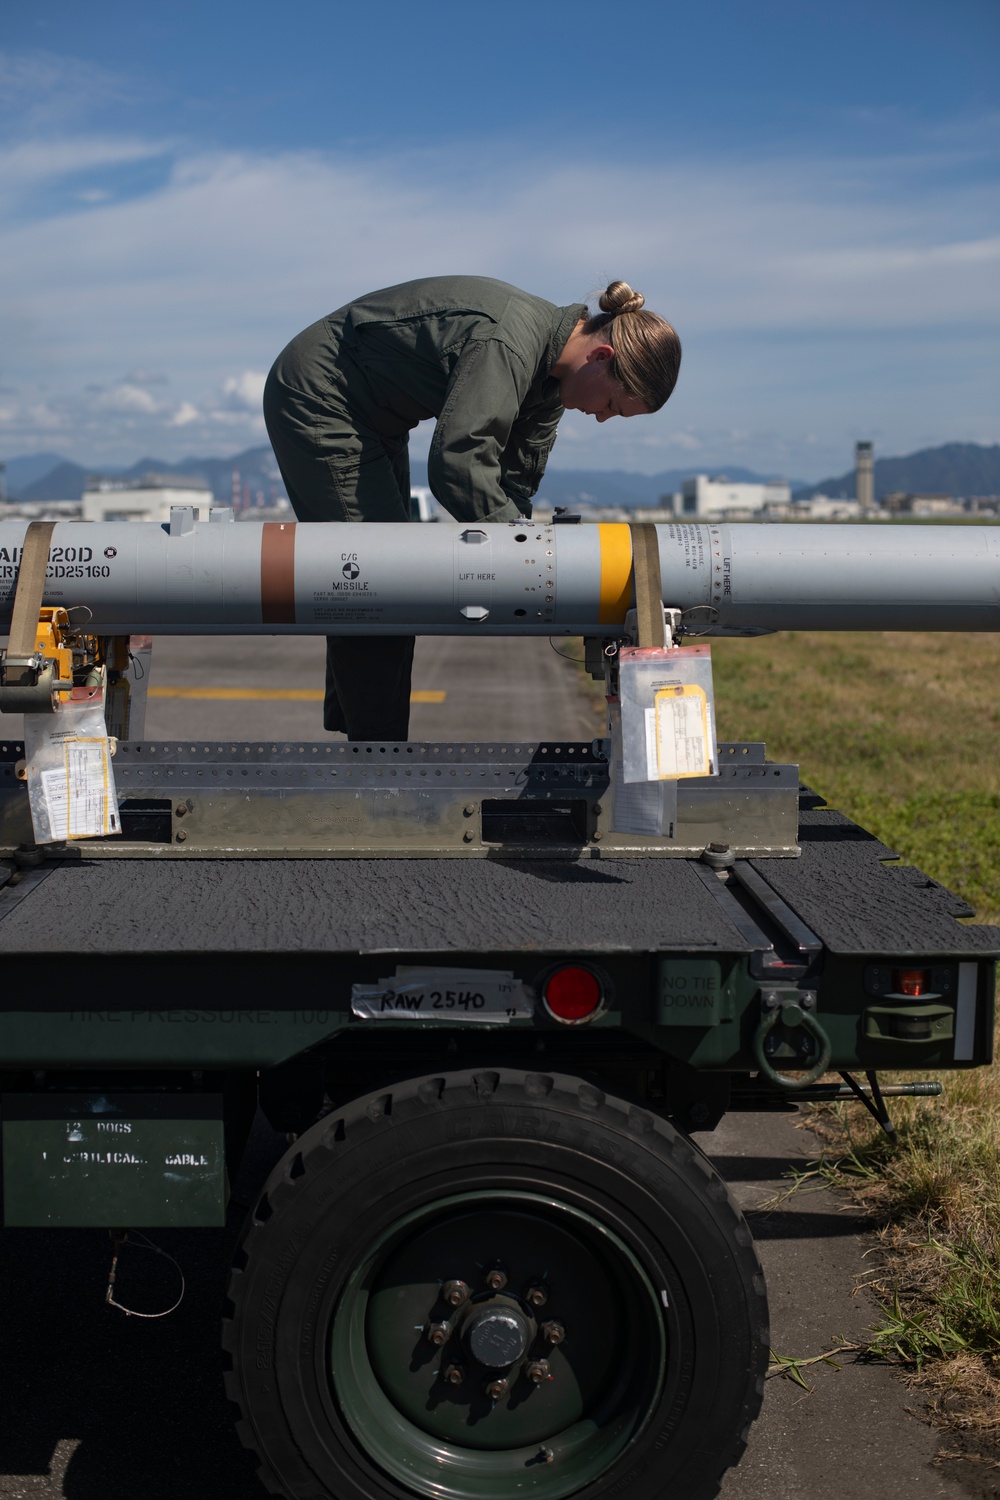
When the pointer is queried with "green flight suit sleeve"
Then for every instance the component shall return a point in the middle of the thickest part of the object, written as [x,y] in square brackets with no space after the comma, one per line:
[486,455]
[532,435]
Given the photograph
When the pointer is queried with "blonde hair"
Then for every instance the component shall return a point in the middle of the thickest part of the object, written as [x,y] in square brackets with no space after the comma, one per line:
[647,350]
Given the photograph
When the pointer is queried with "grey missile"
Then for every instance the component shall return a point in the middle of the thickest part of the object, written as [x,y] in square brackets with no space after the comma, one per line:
[214,577]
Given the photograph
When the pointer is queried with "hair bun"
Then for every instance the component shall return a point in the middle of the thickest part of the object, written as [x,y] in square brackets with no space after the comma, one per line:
[619,297]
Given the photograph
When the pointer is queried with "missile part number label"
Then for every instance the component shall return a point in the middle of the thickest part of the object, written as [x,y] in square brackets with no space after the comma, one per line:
[452,995]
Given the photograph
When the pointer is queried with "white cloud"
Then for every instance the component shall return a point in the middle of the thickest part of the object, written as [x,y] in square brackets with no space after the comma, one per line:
[31,165]
[45,91]
[185,415]
[811,297]
[244,392]
[126,398]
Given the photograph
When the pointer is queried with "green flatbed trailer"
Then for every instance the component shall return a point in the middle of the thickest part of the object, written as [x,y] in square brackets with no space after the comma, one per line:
[493,1262]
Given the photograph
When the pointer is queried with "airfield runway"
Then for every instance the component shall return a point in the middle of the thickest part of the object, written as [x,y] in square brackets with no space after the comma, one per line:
[95,1404]
[271,687]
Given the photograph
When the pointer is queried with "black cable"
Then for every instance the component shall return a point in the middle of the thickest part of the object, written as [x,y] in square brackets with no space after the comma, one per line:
[579,660]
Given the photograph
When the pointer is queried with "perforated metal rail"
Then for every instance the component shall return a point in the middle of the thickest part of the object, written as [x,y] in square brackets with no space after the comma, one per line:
[216,799]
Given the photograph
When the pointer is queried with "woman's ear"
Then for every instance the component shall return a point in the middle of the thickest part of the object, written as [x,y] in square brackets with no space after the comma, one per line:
[599,354]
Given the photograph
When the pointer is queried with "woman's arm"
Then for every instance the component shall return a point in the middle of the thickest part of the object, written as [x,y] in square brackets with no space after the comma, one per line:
[483,448]
[523,461]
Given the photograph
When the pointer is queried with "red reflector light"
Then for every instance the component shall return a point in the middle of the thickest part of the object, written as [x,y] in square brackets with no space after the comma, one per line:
[910,981]
[572,994]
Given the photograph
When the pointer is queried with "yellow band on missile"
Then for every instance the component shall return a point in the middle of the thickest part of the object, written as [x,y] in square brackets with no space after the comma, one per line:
[616,572]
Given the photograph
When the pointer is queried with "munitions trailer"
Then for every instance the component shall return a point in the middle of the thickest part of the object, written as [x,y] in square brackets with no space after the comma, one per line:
[493,1262]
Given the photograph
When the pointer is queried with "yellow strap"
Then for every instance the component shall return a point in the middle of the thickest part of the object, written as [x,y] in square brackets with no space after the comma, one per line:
[29,588]
[648,593]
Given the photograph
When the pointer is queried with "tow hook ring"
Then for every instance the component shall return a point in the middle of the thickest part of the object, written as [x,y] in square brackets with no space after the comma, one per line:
[792,1008]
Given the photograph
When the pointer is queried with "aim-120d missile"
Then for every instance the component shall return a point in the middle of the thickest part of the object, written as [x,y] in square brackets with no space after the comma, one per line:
[277,578]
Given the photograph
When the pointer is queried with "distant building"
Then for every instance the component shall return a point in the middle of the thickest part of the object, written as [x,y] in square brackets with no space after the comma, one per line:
[864,476]
[147,499]
[42,510]
[825,508]
[703,497]
[935,505]
[424,506]
[656,514]
[902,503]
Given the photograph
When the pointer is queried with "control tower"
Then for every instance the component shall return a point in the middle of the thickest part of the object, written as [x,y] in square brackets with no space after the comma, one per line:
[864,477]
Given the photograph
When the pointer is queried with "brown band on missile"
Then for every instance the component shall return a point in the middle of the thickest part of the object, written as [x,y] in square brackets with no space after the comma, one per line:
[277,573]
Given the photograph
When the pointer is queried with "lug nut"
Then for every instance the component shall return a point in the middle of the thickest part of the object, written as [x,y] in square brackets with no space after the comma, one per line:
[537,1295]
[496,1279]
[553,1333]
[497,1389]
[454,1374]
[455,1292]
[439,1333]
[537,1370]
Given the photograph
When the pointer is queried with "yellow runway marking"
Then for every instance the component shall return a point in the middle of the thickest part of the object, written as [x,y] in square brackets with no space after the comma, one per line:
[283,695]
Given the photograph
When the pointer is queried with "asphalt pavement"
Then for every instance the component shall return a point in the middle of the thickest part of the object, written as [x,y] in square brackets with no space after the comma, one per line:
[270,688]
[852,1433]
[95,1404]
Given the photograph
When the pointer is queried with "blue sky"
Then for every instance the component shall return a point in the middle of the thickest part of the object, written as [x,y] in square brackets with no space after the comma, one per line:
[809,192]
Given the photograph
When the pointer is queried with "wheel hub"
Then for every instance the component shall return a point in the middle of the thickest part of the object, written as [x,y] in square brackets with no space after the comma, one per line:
[497,1335]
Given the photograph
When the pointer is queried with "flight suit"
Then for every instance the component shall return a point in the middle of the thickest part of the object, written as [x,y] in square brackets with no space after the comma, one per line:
[340,402]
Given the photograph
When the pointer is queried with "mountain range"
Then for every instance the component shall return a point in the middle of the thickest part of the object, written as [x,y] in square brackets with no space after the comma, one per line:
[49,476]
[963,469]
[957,469]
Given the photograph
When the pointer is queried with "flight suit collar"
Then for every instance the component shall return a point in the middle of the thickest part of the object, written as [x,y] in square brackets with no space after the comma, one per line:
[568,319]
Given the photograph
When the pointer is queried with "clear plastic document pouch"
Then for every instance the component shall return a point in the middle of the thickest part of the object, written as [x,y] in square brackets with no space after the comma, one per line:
[668,713]
[71,785]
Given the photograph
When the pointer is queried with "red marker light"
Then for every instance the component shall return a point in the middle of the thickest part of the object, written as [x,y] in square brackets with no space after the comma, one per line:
[572,995]
[911,982]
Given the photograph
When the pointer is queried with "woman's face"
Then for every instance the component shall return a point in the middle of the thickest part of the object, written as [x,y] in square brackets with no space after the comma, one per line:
[589,388]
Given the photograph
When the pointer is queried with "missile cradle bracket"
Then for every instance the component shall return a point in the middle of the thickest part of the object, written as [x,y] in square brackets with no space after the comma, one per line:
[204,800]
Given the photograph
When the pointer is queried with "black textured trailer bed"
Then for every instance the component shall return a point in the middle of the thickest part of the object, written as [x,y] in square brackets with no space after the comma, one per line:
[841,886]
[492,1260]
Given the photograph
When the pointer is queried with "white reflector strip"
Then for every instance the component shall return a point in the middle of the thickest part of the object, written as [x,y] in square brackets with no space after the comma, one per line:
[965,1013]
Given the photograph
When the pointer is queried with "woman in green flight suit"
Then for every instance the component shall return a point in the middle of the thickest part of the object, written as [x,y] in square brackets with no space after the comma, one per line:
[497,368]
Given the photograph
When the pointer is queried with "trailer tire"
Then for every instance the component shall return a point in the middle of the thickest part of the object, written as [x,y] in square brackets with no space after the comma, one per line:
[535,1181]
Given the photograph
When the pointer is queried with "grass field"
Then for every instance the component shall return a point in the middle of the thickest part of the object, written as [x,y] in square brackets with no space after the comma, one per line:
[901,732]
